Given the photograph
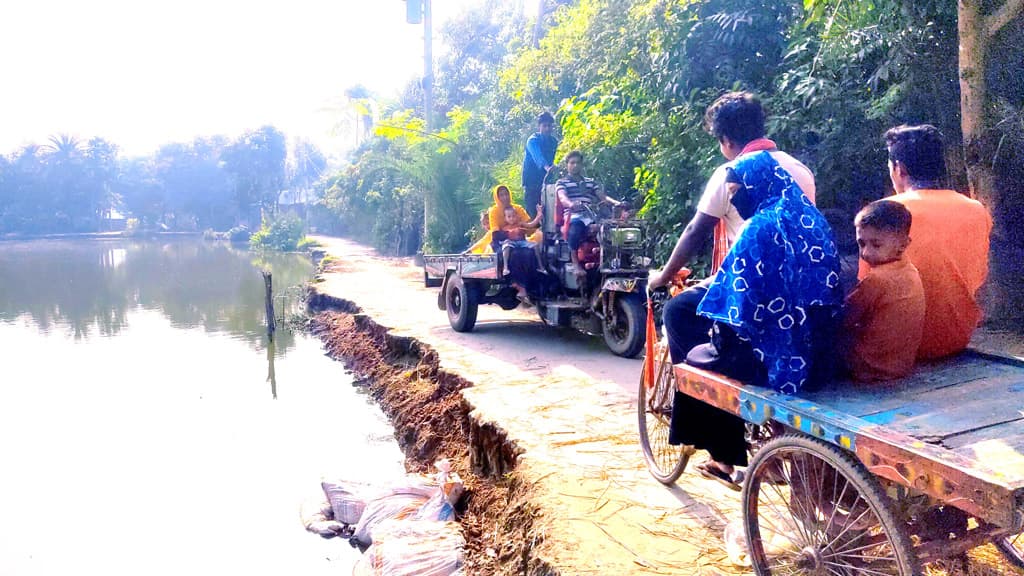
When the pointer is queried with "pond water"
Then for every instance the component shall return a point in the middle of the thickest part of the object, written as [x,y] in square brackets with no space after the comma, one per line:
[146,427]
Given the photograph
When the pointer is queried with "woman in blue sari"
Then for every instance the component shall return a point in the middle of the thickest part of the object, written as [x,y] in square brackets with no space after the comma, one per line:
[773,302]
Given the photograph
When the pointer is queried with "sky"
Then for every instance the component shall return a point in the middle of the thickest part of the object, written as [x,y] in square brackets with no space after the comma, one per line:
[141,73]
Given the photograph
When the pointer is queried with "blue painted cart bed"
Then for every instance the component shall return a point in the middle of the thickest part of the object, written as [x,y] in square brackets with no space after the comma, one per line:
[944,448]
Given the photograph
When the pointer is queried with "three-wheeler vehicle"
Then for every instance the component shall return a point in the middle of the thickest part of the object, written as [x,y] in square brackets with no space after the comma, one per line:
[865,479]
[608,302]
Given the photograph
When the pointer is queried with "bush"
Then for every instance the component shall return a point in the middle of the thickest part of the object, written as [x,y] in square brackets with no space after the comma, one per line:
[281,233]
[306,243]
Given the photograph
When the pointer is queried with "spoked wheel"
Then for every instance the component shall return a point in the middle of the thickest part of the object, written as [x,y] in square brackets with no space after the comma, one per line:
[654,413]
[812,509]
[1012,548]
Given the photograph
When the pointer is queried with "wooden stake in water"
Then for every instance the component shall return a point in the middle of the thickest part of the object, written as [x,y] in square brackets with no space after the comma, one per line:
[268,283]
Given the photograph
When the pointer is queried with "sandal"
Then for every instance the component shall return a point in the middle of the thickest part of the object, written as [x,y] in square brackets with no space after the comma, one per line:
[712,472]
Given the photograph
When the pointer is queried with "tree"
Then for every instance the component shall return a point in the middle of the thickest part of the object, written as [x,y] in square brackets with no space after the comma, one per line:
[257,162]
[980,31]
[140,192]
[305,166]
[101,174]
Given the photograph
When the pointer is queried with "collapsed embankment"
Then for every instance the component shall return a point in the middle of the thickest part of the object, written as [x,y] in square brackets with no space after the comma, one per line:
[432,420]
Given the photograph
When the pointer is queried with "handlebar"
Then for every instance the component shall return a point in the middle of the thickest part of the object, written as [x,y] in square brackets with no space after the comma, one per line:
[676,285]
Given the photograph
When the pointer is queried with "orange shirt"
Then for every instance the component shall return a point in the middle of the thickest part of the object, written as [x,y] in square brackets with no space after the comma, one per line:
[883,322]
[949,246]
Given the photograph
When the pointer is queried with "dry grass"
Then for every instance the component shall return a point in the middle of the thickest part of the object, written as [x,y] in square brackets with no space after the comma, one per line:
[984,561]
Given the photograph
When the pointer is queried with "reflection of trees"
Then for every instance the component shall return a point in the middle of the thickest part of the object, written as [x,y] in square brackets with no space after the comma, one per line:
[89,284]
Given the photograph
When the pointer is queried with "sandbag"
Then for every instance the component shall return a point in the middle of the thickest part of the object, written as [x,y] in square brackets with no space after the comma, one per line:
[416,496]
[318,517]
[396,506]
[417,548]
[347,499]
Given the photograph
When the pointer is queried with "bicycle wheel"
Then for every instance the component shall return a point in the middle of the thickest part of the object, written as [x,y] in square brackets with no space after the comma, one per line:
[811,509]
[654,414]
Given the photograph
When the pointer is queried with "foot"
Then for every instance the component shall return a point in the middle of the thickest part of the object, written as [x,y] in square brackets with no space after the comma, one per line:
[524,299]
[717,472]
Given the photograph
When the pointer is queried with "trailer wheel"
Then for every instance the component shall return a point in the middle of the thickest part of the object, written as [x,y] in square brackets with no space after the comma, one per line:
[431,282]
[811,508]
[462,301]
[623,325]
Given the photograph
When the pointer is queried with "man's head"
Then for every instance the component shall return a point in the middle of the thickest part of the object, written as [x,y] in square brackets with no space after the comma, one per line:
[916,156]
[883,231]
[574,162]
[735,119]
[504,196]
[545,122]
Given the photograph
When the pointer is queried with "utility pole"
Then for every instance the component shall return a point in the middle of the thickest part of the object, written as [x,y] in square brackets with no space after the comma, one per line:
[428,67]
[417,11]
[428,98]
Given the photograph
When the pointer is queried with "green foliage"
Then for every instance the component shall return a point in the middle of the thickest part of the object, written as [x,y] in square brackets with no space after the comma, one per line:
[64,186]
[257,163]
[69,185]
[630,80]
[283,232]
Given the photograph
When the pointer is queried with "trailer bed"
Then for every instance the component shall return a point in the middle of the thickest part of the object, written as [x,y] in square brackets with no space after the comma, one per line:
[953,430]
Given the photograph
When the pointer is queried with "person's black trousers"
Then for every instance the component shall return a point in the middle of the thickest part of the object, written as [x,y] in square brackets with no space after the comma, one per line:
[684,327]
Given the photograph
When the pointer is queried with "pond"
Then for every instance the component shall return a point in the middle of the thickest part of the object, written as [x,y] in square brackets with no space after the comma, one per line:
[146,427]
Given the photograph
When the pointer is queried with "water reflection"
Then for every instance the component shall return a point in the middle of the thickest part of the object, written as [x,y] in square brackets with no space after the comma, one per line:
[86,288]
[271,376]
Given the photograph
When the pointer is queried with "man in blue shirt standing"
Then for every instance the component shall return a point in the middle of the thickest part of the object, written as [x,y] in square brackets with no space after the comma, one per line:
[539,158]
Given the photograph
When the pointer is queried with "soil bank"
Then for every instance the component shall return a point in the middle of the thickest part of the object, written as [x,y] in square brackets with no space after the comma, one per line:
[541,428]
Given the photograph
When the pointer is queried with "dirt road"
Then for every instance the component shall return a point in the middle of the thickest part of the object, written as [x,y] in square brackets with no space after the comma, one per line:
[516,337]
[568,405]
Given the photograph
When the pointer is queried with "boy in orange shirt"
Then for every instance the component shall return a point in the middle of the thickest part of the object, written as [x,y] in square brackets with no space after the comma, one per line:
[885,312]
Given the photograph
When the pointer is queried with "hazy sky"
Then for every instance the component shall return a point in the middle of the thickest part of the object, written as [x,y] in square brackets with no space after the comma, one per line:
[144,72]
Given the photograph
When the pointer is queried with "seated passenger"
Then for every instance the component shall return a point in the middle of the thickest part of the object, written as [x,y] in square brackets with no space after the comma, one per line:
[515,233]
[496,222]
[575,192]
[950,234]
[772,302]
[483,245]
[884,314]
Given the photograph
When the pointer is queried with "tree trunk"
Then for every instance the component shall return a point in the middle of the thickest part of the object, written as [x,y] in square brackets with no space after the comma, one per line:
[538,26]
[973,117]
[1004,298]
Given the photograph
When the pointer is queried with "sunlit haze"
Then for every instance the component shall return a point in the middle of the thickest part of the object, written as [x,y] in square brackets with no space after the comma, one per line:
[144,73]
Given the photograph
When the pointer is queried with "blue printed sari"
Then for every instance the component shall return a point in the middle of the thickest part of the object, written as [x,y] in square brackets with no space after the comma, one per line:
[783,266]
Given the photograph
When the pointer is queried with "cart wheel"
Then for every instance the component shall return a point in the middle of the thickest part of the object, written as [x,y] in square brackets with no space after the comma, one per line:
[623,327]
[811,508]
[654,413]
[1012,548]
[462,302]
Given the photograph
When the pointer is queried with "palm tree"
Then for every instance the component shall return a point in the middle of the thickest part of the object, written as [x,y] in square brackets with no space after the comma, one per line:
[64,147]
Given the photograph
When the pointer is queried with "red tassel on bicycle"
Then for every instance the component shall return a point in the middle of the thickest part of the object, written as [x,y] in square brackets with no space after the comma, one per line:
[649,347]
